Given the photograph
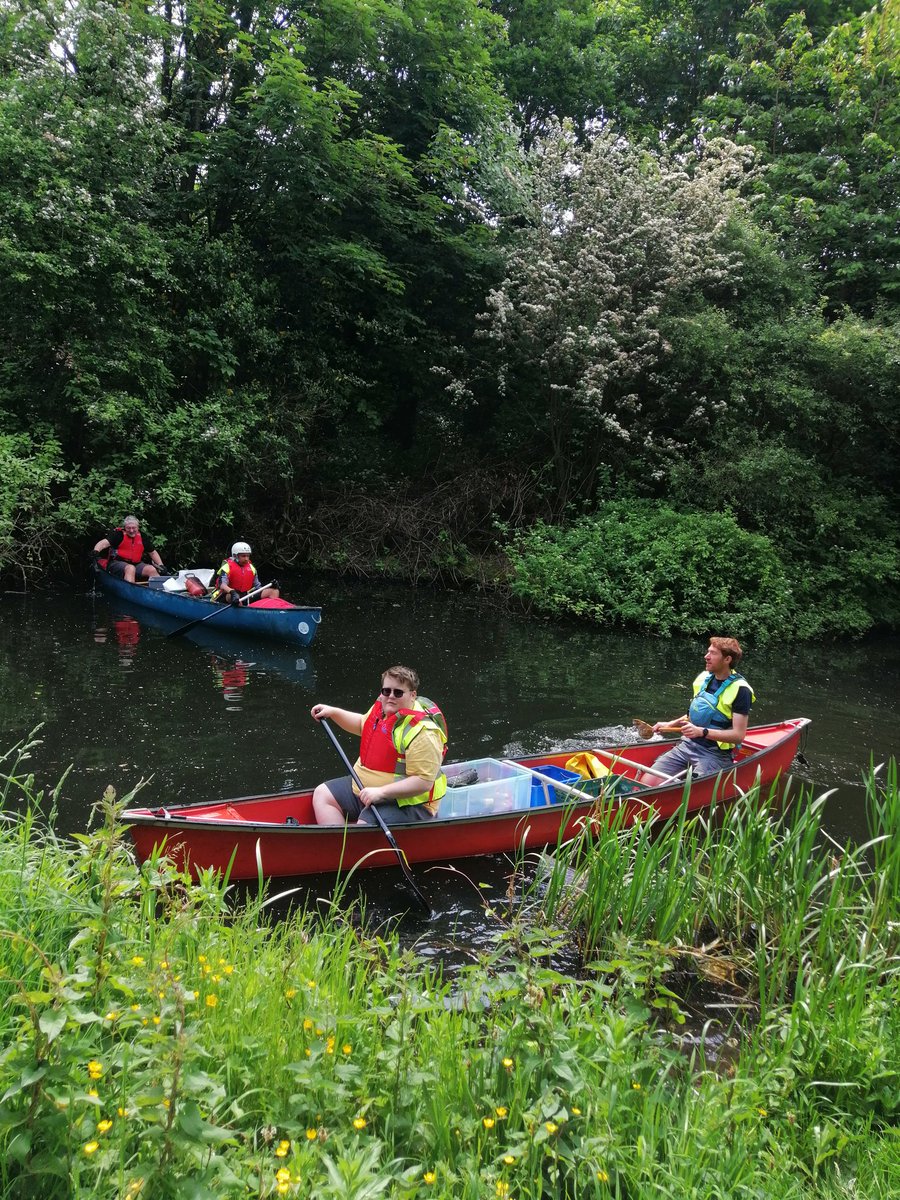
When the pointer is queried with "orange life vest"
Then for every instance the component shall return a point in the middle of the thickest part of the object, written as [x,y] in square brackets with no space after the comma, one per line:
[242,579]
[385,740]
[131,549]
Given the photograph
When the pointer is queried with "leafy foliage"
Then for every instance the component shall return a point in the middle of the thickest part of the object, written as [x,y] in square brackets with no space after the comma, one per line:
[614,237]
[644,565]
[244,250]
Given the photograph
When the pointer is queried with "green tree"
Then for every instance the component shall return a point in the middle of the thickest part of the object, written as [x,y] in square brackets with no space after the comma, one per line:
[824,111]
[615,239]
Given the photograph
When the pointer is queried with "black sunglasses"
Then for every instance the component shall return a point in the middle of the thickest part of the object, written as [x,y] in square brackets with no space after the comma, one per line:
[395,692]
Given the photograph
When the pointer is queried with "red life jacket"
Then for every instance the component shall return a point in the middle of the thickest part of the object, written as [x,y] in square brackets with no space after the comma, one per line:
[130,548]
[384,742]
[242,579]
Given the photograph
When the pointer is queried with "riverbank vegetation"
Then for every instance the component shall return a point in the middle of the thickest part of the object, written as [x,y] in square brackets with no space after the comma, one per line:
[159,1041]
[440,290]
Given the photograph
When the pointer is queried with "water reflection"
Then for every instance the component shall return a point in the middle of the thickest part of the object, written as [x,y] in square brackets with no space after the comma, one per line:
[231,676]
[126,635]
[234,659]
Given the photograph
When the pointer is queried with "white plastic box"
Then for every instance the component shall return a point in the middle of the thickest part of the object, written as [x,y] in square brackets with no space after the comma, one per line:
[500,788]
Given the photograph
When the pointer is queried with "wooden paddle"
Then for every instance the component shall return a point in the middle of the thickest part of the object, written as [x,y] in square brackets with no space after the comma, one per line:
[373,809]
[218,608]
[645,729]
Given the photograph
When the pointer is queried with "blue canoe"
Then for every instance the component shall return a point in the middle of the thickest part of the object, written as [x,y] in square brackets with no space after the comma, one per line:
[297,625]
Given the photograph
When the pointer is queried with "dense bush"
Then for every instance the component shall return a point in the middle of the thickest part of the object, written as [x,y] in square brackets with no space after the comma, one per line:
[641,564]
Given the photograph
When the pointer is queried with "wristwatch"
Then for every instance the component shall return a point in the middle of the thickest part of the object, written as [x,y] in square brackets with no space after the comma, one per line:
[706,731]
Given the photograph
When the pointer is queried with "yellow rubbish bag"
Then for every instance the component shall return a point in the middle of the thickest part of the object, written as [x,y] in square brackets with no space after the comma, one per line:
[587,765]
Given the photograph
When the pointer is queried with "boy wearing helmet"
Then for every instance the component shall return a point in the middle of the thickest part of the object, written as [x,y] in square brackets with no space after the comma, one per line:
[237,576]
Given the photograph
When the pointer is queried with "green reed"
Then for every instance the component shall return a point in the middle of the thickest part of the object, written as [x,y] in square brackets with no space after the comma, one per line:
[159,1040]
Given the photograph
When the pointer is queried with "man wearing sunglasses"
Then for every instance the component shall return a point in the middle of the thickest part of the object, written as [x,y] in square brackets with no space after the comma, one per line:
[403,740]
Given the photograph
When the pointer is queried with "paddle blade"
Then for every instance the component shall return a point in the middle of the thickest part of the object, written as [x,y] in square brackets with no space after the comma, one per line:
[645,729]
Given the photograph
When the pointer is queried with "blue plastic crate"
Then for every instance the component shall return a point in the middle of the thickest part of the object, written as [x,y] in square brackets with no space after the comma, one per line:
[539,790]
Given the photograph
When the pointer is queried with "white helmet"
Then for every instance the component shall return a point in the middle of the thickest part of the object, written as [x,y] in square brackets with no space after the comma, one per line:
[240,548]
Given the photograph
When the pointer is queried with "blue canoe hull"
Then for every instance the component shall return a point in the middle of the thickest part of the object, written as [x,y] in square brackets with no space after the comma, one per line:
[295,625]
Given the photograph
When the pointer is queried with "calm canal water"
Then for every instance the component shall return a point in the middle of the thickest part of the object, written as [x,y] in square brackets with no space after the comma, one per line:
[204,716]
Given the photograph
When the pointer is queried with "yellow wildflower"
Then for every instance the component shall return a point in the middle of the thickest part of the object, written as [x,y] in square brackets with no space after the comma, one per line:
[346,1048]
[502,1187]
[112,1016]
[509,1159]
[762,1112]
[311,983]
[502,1111]
[282,1188]
[636,1086]
[488,1122]
[156,1020]
[307,1024]
[123,1112]
[228,969]
[281,1151]
[135,1008]
[429,1176]
[603,1177]
[576,1112]
[508,1062]
[290,993]
[166,1103]
[164,964]
[93,1092]
[201,958]
[212,1001]
[551,1126]
[137,961]
[90,1147]
[104,1125]
[359,1123]
[311,1135]
[95,1069]
[284,1144]
[283,1175]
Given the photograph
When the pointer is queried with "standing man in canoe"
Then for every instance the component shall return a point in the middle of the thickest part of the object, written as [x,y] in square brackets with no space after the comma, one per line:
[716,722]
[237,576]
[127,553]
[403,743]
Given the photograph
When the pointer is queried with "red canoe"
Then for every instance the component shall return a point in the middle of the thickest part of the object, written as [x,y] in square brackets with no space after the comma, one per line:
[509,806]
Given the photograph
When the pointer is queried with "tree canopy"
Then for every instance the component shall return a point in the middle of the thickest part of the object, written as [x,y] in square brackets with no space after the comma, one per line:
[256,258]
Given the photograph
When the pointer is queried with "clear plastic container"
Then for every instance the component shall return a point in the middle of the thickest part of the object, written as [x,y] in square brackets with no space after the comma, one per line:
[499,787]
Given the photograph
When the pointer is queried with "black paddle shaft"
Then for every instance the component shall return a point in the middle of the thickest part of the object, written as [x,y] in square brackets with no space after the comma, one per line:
[218,608]
[385,828]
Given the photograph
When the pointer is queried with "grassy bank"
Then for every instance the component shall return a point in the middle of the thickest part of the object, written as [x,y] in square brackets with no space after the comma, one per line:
[159,1043]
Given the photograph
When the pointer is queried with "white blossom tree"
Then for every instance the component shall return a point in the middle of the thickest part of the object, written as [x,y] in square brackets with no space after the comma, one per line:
[614,239]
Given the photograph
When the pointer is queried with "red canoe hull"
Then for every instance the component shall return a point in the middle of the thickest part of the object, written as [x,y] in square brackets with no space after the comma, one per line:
[249,837]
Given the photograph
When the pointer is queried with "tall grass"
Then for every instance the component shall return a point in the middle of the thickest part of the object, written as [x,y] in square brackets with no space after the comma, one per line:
[158,1041]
